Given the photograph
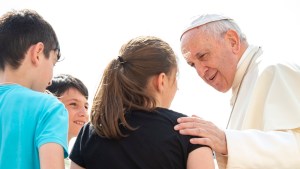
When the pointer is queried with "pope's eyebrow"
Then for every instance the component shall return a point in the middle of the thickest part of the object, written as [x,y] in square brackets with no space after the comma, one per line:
[186,55]
[200,54]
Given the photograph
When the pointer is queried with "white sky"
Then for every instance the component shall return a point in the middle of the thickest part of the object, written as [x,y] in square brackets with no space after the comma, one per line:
[91,33]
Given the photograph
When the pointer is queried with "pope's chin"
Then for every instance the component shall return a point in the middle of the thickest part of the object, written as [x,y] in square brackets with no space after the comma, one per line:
[222,89]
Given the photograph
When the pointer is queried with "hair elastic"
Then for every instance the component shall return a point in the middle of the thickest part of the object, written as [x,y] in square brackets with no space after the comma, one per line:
[121,60]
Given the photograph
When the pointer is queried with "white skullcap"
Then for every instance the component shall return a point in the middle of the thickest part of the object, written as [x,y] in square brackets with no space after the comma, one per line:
[203,19]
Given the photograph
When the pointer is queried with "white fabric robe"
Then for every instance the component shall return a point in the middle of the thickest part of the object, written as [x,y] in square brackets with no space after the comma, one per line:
[264,128]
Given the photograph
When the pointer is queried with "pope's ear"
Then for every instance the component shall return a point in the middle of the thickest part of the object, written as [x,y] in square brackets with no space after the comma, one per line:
[36,52]
[233,39]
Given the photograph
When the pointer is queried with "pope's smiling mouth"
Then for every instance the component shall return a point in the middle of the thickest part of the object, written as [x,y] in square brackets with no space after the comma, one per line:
[212,78]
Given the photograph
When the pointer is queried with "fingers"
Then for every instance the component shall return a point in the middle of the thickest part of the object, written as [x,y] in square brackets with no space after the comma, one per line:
[187,125]
[208,132]
[211,138]
[193,132]
[190,123]
[198,132]
[202,141]
[194,118]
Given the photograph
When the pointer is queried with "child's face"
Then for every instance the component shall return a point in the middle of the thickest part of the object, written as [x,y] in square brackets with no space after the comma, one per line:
[77,106]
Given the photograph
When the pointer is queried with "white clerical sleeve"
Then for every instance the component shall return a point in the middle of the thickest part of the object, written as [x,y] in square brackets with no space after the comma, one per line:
[269,136]
[254,149]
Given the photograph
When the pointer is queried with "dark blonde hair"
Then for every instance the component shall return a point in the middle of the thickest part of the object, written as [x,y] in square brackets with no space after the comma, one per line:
[124,82]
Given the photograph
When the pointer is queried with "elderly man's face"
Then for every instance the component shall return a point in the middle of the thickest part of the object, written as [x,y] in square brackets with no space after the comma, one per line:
[213,59]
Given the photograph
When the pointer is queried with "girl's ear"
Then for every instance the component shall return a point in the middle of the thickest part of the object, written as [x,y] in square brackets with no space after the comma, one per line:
[36,52]
[159,82]
[233,38]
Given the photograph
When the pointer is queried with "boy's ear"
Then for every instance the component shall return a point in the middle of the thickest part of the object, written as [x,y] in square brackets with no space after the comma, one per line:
[36,52]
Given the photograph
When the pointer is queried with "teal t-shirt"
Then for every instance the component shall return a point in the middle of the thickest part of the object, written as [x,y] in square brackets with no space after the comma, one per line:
[29,119]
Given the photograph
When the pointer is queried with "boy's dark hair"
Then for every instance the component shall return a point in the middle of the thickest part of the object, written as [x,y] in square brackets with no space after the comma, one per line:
[21,29]
[63,82]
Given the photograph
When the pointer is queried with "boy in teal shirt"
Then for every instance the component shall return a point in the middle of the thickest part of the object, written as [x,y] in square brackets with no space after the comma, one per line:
[33,125]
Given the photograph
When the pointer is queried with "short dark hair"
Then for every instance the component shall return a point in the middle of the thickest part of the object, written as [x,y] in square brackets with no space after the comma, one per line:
[21,29]
[63,82]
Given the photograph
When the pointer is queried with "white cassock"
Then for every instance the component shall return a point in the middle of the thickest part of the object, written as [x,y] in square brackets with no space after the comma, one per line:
[264,128]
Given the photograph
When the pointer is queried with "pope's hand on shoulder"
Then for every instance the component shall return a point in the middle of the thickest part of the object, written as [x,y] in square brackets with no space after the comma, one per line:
[207,133]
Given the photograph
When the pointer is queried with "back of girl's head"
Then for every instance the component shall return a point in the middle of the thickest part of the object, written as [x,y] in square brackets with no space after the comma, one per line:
[124,83]
[18,31]
[63,82]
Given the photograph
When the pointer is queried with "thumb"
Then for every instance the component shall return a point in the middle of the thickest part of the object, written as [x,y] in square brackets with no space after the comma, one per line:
[196,116]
